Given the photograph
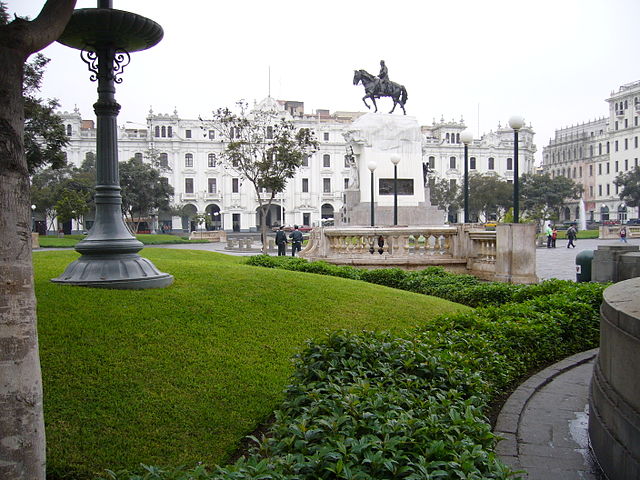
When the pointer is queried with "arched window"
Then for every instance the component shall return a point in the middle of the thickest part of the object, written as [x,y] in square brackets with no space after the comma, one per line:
[509,163]
[326,160]
[491,163]
[69,130]
[169,132]
[164,131]
[472,163]
[457,138]
[157,131]
[452,162]
[447,138]
[188,160]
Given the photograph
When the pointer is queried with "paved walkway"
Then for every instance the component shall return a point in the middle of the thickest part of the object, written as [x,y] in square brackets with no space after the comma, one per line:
[544,423]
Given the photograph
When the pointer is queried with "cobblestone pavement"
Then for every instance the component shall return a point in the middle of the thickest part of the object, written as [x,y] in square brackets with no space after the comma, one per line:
[560,262]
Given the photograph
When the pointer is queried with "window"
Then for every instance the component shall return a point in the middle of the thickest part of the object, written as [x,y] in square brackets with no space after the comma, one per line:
[212,134]
[608,170]
[326,160]
[452,162]
[69,130]
[608,189]
[305,185]
[472,163]
[305,161]
[591,150]
[616,166]
[616,145]
[326,136]
[188,185]
[138,156]
[626,123]
[157,131]
[509,163]
[235,185]
[608,148]
[635,142]
[164,131]
[491,163]
[591,170]
[326,185]
[269,133]
[164,160]
[432,163]
[580,172]
[599,190]
[187,134]
[626,144]
[188,160]
[599,149]
[212,185]
[346,183]
[169,132]
[211,160]
[591,190]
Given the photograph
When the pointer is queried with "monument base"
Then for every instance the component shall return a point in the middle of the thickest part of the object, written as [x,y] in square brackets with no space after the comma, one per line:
[128,271]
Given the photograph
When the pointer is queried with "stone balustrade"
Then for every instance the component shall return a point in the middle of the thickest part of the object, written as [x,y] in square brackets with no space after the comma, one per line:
[507,254]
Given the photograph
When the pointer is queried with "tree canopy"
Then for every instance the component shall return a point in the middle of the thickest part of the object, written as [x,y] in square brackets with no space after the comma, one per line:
[444,194]
[144,191]
[263,147]
[488,195]
[630,184]
[542,197]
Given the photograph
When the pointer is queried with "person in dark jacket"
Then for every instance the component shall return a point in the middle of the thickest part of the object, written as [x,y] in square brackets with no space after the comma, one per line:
[281,242]
[296,240]
[572,234]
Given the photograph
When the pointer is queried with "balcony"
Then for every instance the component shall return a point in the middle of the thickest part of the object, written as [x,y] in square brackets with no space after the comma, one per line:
[187,196]
[212,195]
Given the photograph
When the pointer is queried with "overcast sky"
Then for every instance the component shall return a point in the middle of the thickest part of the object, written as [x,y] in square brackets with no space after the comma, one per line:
[551,61]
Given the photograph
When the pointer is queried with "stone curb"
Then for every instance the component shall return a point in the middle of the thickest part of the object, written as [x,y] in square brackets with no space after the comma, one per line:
[508,420]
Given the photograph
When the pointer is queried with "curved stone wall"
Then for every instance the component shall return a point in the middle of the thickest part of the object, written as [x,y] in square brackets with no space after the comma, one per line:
[614,415]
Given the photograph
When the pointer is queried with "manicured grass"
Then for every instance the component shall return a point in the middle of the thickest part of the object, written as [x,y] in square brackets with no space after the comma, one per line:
[180,375]
[50,241]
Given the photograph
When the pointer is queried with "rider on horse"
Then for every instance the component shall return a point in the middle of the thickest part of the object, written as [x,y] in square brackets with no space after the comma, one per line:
[383,78]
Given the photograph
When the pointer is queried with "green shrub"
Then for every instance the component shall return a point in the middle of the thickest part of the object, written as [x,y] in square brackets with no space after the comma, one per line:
[389,277]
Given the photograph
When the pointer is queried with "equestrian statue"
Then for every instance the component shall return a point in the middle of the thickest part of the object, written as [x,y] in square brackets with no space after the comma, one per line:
[381,86]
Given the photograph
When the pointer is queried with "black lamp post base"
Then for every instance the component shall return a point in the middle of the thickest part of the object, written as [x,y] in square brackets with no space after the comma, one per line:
[127,271]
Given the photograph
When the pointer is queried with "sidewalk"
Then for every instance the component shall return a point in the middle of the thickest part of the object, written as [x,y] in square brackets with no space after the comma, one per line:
[544,423]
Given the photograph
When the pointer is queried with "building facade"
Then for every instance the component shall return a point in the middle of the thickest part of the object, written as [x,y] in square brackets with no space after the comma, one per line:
[594,153]
[188,150]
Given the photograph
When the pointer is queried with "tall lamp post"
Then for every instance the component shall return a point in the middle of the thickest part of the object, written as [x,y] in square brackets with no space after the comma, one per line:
[466,137]
[372,167]
[105,36]
[395,159]
[516,122]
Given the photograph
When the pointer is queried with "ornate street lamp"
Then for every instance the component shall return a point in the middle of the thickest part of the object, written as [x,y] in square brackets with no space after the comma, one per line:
[372,166]
[105,37]
[395,159]
[516,122]
[466,137]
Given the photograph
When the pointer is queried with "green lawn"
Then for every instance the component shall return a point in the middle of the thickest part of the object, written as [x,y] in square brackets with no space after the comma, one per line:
[180,375]
[52,241]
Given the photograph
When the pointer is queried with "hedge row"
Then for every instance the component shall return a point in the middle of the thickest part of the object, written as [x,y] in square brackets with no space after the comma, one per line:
[368,405]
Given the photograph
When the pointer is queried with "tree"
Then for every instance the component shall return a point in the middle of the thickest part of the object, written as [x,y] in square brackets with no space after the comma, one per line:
[444,194]
[22,443]
[144,191]
[44,132]
[630,183]
[543,197]
[488,195]
[72,205]
[265,149]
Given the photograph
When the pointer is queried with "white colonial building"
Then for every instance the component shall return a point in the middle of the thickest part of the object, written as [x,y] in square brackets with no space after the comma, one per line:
[595,153]
[203,186]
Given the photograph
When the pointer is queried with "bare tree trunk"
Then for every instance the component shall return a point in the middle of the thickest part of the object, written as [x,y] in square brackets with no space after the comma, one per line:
[22,440]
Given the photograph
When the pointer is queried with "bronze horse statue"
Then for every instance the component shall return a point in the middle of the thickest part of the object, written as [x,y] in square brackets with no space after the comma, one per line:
[374,88]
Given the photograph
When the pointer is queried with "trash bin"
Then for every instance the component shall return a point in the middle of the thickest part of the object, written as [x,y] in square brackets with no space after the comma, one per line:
[583,266]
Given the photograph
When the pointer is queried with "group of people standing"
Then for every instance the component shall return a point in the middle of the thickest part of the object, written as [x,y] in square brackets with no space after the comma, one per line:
[552,234]
[296,241]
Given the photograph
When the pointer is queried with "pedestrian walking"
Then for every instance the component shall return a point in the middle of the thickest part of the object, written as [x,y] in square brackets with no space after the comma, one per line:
[281,242]
[623,234]
[296,240]
[554,236]
[572,234]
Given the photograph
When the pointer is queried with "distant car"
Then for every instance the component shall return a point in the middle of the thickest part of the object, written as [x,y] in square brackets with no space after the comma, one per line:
[633,221]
